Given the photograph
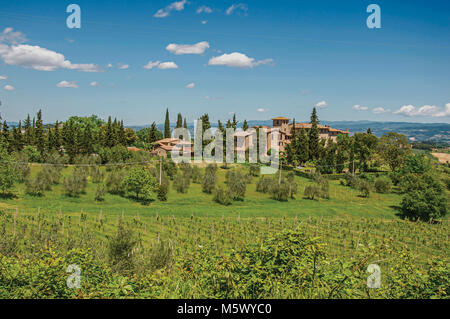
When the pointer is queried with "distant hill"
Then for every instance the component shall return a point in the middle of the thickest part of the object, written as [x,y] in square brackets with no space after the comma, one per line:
[438,132]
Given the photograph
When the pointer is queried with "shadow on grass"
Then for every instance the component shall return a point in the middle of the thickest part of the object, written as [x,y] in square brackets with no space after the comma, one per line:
[8,195]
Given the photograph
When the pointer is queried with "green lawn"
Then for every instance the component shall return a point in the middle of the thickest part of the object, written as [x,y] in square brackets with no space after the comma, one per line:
[343,201]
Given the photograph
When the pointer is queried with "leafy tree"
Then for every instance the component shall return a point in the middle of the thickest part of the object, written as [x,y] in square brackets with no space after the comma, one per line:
[7,172]
[280,191]
[425,199]
[75,184]
[237,185]
[196,175]
[100,193]
[365,146]
[181,182]
[223,196]
[209,179]
[140,183]
[382,185]
[393,148]
[130,136]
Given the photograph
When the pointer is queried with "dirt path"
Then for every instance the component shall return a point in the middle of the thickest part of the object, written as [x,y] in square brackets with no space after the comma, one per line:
[442,157]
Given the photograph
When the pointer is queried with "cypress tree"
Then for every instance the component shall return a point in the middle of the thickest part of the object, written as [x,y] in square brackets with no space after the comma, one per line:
[39,134]
[185,124]
[179,121]
[235,122]
[245,125]
[152,137]
[314,137]
[302,147]
[167,133]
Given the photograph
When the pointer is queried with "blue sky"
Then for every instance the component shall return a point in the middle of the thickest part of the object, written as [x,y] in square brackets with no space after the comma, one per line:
[288,57]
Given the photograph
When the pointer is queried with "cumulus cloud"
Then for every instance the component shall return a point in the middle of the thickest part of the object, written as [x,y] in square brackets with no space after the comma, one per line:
[204,9]
[66,84]
[40,59]
[237,60]
[12,37]
[109,65]
[3,77]
[9,87]
[123,66]
[198,48]
[358,107]
[160,65]
[204,22]
[380,110]
[174,6]
[321,104]
[262,110]
[239,7]
[95,83]
[190,85]
[426,110]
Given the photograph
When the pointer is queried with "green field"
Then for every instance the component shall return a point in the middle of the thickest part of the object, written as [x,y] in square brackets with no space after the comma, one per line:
[343,201]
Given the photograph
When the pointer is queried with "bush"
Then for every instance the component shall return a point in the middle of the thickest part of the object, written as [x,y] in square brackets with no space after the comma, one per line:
[100,193]
[254,170]
[21,166]
[209,179]
[323,185]
[311,192]
[76,184]
[382,185]
[236,185]
[196,175]
[364,188]
[120,249]
[292,184]
[163,190]
[263,184]
[34,187]
[280,191]
[97,175]
[222,196]
[113,182]
[181,183]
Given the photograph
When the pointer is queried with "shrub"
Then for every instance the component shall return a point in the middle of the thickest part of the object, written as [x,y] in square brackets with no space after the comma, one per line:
[120,248]
[280,191]
[311,192]
[263,184]
[364,188]
[292,184]
[382,185]
[34,187]
[181,183]
[113,182]
[97,174]
[76,184]
[163,190]
[21,166]
[222,196]
[209,179]
[196,175]
[100,193]
[254,170]
[236,185]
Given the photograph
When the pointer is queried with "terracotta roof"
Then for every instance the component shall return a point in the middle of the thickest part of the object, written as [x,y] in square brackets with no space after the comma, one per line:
[167,140]
[280,118]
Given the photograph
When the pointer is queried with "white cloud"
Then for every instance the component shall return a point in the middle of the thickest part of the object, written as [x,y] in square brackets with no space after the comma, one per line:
[190,85]
[177,6]
[380,110]
[198,48]
[3,77]
[123,66]
[160,65]
[360,108]
[262,110]
[204,22]
[321,104]
[426,110]
[95,83]
[65,84]
[446,111]
[204,9]
[109,65]
[239,7]
[13,37]
[237,60]
[40,59]
[9,87]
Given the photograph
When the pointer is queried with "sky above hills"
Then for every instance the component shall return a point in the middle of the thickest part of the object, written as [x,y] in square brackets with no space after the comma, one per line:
[259,59]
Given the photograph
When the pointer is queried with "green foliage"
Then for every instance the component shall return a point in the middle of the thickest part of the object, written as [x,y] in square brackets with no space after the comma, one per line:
[311,192]
[196,175]
[76,184]
[263,184]
[181,182]
[209,179]
[425,199]
[163,191]
[113,182]
[236,183]
[139,183]
[254,170]
[100,193]
[383,185]
[120,248]
[223,196]
[97,174]
[280,191]
[7,172]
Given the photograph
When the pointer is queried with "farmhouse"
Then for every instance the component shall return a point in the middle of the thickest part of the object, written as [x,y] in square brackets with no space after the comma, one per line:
[166,146]
[284,129]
